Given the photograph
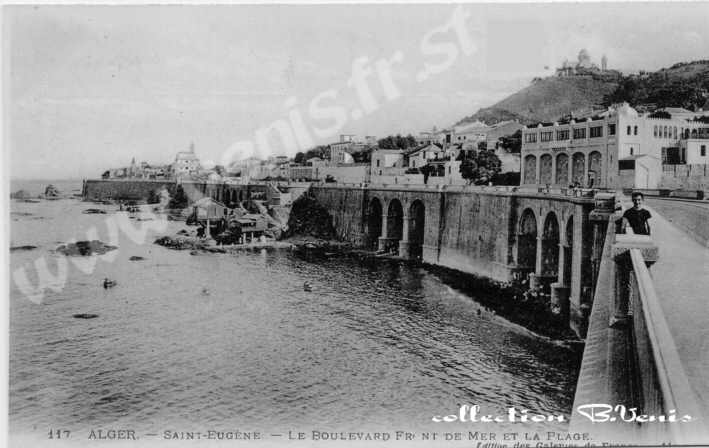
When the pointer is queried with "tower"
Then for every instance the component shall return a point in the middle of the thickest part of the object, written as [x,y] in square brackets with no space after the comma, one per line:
[604,63]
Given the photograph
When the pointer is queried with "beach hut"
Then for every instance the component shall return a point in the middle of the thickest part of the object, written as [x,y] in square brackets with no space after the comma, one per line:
[211,214]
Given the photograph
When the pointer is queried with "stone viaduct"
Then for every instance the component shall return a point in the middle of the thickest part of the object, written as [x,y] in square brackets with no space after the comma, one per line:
[496,232]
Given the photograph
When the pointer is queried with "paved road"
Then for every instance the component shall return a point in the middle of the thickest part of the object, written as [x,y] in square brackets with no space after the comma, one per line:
[682,283]
[690,216]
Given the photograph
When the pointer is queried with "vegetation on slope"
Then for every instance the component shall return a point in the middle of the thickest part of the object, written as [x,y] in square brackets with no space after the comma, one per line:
[685,84]
[682,85]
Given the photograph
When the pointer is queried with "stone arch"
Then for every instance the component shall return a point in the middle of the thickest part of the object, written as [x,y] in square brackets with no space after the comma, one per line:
[417,221]
[545,169]
[374,222]
[550,246]
[527,241]
[562,169]
[395,220]
[595,167]
[578,168]
[530,169]
[568,249]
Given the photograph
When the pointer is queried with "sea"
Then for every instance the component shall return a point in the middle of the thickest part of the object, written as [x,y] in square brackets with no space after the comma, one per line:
[189,342]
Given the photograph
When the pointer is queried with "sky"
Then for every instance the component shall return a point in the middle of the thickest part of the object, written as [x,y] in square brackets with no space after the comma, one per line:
[87,88]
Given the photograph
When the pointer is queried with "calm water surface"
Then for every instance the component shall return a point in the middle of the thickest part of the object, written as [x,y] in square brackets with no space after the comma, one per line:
[233,339]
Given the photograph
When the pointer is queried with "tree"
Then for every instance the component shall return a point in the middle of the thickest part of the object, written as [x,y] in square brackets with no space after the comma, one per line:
[512,143]
[426,170]
[364,156]
[179,199]
[468,170]
[480,167]
[153,197]
[299,157]
[397,142]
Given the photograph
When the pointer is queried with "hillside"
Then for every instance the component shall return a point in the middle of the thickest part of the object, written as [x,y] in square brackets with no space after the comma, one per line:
[546,100]
[684,84]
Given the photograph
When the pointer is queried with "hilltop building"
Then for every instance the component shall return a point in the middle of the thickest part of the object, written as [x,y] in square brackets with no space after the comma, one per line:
[585,67]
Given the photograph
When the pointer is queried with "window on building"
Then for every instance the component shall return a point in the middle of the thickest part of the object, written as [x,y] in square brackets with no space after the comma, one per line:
[635,130]
[628,130]
[377,163]
[654,131]
[546,136]
[596,131]
[579,133]
[703,150]
[562,135]
[631,150]
[664,133]
[611,129]
[530,138]
[674,133]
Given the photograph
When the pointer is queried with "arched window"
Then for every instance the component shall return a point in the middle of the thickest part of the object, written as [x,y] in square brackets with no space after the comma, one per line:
[635,131]
[654,131]
[664,134]
[628,130]
[631,150]
[545,171]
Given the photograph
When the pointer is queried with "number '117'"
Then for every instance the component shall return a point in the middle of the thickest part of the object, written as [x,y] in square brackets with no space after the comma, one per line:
[59,434]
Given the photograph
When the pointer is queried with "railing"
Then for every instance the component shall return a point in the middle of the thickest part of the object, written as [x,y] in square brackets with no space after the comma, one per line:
[658,384]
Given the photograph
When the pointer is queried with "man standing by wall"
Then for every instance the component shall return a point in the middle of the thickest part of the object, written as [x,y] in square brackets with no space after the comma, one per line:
[637,217]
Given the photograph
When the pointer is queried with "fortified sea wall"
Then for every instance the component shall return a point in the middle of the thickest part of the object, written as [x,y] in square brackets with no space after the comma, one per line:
[131,189]
[141,190]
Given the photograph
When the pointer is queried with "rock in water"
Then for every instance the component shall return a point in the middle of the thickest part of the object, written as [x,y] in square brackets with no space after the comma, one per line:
[85,248]
[51,191]
[85,316]
[181,242]
[25,247]
[20,194]
[136,258]
[309,218]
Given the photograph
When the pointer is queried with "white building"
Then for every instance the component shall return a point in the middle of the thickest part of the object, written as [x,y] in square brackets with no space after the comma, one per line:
[470,132]
[422,155]
[186,163]
[619,148]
